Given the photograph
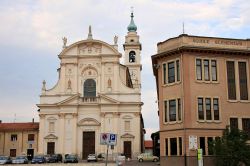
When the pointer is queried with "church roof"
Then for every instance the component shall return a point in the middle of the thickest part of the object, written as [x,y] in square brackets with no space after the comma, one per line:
[29,126]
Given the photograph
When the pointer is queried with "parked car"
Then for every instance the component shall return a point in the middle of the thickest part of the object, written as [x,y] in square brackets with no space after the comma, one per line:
[92,157]
[38,159]
[5,160]
[121,158]
[50,159]
[71,158]
[101,156]
[57,157]
[20,160]
[147,157]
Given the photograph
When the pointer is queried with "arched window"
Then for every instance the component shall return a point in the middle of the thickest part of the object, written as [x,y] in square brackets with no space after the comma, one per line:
[89,88]
[131,56]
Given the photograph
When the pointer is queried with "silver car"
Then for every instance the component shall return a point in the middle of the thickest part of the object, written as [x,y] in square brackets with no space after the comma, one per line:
[5,160]
[20,160]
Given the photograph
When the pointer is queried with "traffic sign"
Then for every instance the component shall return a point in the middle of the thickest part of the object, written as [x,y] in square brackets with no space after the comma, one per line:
[108,139]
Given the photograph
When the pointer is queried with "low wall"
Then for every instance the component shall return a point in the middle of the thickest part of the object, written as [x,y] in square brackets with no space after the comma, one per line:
[186,161]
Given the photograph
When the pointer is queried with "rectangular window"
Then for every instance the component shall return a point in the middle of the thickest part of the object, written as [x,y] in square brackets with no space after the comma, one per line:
[178,70]
[234,123]
[206,70]
[231,80]
[210,145]
[179,109]
[166,111]
[31,137]
[164,74]
[214,70]
[127,125]
[202,145]
[216,109]
[173,146]
[180,146]
[198,69]
[172,110]
[200,109]
[208,109]
[246,126]
[13,137]
[166,146]
[243,81]
[171,72]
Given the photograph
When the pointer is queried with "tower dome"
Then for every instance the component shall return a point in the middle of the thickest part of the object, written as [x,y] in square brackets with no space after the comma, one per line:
[132,27]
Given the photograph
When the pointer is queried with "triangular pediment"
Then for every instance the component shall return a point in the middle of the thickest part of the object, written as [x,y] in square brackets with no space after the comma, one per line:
[88,122]
[51,136]
[70,100]
[107,100]
[127,135]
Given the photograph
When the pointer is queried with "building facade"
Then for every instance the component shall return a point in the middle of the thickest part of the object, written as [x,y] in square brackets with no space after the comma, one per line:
[19,139]
[202,87]
[95,94]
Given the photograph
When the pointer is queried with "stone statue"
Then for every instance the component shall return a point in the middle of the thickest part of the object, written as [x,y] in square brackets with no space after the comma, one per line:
[115,40]
[44,85]
[109,82]
[90,37]
[64,42]
[69,84]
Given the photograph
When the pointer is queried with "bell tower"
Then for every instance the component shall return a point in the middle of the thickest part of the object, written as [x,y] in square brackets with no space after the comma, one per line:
[132,48]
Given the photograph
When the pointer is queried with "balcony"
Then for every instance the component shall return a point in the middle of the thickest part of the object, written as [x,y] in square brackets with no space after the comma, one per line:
[90,99]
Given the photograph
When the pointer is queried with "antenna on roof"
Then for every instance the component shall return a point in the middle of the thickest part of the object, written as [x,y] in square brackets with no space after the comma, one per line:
[14,118]
[183,28]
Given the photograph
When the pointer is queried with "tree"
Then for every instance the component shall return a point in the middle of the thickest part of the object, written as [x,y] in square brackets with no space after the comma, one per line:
[232,148]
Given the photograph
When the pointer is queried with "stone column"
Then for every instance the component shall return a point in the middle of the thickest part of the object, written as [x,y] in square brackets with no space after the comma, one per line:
[74,137]
[41,134]
[61,133]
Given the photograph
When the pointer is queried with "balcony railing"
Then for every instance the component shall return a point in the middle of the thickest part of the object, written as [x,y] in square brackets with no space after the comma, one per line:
[90,99]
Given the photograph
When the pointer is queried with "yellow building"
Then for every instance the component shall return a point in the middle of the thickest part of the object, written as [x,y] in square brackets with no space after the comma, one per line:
[202,86]
[19,139]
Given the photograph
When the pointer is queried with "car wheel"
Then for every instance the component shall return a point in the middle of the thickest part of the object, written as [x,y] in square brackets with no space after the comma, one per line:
[140,160]
[155,160]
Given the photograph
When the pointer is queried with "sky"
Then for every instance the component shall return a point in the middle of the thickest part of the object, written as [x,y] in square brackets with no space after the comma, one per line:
[31,38]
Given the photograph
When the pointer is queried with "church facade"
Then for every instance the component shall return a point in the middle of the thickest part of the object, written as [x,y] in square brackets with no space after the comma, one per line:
[94,94]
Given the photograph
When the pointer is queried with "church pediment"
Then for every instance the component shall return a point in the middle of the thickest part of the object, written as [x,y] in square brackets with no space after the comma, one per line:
[127,135]
[107,100]
[71,100]
[88,122]
[51,136]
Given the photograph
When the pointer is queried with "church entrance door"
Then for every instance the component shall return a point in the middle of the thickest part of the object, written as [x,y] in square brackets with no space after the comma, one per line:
[127,149]
[88,144]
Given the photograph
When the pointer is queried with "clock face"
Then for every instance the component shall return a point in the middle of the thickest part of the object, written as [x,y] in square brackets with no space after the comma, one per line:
[133,73]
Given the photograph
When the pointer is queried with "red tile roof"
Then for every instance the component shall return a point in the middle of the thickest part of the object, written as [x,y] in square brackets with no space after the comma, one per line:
[148,144]
[30,126]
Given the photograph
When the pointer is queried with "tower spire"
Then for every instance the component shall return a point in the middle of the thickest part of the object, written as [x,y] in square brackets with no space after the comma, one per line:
[132,27]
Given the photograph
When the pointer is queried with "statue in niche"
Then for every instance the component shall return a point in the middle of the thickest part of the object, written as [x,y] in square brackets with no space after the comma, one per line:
[109,82]
[115,40]
[64,42]
[69,84]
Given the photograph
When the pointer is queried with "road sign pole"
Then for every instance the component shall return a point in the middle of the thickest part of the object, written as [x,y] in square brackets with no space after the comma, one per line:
[107,155]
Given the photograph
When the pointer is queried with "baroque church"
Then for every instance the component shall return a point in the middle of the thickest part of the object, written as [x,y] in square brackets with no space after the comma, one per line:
[94,94]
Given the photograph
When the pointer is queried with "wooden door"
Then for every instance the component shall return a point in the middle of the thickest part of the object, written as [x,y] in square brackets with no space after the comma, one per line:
[88,144]
[12,152]
[51,148]
[127,148]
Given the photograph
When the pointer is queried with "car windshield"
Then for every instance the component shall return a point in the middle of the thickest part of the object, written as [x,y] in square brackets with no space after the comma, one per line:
[3,158]
[70,156]
[20,157]
[38,157]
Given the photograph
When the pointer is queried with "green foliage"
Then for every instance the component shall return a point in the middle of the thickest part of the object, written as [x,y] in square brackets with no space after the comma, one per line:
[232,148]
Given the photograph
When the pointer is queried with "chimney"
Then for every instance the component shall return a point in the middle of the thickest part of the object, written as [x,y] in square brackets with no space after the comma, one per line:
[0,121]
[32,120]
